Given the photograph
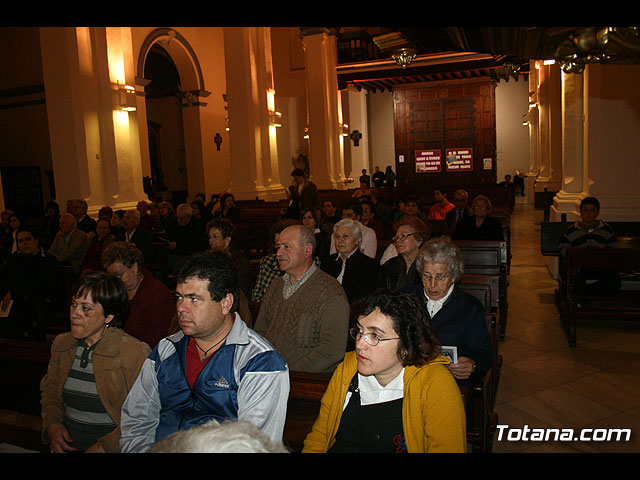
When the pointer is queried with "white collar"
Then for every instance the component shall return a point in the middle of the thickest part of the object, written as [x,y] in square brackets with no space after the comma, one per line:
[372,392]
[434,306]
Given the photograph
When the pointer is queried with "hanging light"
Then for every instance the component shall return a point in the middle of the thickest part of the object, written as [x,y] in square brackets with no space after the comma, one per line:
[404,56]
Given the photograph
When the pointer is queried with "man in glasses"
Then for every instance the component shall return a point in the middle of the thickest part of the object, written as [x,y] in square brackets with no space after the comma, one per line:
[460,210]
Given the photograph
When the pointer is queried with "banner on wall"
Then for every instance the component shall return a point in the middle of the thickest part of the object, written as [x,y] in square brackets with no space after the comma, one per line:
[428,161]
[459,159]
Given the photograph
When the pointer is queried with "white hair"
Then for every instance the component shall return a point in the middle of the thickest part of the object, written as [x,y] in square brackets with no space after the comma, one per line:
[354,225]
[213,437]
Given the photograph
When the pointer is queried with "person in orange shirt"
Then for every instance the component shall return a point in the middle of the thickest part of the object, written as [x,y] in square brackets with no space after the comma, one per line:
[442,206]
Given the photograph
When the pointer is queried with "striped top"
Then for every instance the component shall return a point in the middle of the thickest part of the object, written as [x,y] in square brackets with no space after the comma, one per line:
[579,235]
[85,417]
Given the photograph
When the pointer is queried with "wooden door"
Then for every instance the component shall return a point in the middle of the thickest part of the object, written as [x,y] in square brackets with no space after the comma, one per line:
[442,116]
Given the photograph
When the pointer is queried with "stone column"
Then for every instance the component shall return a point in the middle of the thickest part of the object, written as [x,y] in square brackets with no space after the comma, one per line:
[567,200]
[550,128]
[95,144]
[323,108]
[251,102]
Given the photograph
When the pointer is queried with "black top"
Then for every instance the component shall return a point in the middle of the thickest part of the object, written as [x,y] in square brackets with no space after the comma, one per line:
[360,273]
[375,428]
[461,322]
[394,275]
[490,229]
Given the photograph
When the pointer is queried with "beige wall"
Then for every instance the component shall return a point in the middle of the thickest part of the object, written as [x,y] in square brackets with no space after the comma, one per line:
[611,112]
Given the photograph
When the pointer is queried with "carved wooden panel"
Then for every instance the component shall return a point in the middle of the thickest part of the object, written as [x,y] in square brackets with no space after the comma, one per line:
[445,115]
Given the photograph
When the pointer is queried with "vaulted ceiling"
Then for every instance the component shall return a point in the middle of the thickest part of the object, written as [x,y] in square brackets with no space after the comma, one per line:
[502,53]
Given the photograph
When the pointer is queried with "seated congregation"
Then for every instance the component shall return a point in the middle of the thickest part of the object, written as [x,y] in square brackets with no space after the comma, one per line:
[301,318]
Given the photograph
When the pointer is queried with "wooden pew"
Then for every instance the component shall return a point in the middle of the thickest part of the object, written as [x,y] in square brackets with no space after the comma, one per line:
[486,288]
[489,258]
[22,366]
[622,304]
[628,234]
[305,392]
[480,397]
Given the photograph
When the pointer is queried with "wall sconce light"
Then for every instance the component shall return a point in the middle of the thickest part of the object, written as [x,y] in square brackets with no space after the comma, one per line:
[275,119]
[306,133]
[127,97]
[345,129]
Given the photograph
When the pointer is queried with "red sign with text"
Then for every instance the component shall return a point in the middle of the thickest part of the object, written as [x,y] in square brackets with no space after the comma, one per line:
[459,159]
[428,161]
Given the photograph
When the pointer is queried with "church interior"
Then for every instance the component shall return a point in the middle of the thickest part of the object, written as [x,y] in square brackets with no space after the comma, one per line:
[118,115]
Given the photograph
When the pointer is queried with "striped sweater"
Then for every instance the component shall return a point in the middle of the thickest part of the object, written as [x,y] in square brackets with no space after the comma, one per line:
[579,235]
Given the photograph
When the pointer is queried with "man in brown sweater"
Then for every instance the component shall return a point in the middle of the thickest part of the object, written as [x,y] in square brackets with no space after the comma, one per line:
[304,313]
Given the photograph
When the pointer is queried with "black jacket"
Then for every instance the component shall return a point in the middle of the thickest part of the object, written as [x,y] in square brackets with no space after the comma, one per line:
[461,323]
[360,273]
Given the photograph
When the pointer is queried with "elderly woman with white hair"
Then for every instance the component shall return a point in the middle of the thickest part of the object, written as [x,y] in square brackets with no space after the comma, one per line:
[458,317]
[356,272]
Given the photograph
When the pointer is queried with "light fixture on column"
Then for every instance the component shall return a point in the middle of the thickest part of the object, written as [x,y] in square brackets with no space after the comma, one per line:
[306,133]
[127,97]
[275,118]
[344,129]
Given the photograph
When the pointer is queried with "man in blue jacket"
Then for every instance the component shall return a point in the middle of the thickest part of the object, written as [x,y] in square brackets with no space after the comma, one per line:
[214,367]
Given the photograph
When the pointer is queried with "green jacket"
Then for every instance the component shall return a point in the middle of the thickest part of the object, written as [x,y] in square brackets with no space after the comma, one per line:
[117,360]
[433,414]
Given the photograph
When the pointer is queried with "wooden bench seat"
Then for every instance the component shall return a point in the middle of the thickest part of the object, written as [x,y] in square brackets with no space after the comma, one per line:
[489,258]
[22,366]
[480,397]
[620,304]
[305,392]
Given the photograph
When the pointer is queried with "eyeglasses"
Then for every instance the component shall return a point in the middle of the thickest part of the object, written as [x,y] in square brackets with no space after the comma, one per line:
[440,277]
[402,237]
[371,338]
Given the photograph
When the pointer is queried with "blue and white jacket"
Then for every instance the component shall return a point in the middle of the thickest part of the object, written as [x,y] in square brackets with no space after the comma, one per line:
[247,379]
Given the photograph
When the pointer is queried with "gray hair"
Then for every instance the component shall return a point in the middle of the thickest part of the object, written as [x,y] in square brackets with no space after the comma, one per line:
[441,250]
[213,437]
[71,217]
[462,193]
[354,225]
[184,209]
[306,236]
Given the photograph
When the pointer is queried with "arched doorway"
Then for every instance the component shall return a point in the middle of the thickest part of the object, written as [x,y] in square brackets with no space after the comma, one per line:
[173,79]
[165,125]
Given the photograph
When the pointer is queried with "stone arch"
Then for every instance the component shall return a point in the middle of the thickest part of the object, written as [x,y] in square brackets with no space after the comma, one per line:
[192,89]
[181,52]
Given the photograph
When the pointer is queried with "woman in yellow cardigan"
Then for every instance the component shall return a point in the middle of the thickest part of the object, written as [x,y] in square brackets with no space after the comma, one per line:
[393,394]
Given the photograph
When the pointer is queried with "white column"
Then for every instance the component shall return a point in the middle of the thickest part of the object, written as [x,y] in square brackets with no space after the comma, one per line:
[323,107]
[250,96]
[95,145]
[567,200]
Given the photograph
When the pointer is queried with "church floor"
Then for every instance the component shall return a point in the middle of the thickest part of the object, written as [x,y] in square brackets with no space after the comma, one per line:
[544,383]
